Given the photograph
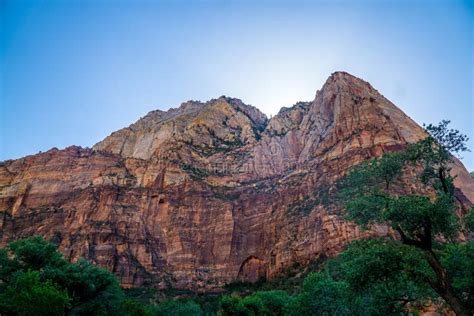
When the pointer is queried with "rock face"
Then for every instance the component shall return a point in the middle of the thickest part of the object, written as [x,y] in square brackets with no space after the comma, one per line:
[209,193]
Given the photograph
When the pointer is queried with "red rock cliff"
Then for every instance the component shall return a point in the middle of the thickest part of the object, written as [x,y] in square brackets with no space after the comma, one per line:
[208,193]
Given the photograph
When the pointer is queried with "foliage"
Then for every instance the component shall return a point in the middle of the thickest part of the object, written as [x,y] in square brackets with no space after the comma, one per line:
[274,302]
[383,276]
[376,192]
[28,295]
[131,307]
[459,261]
[321,295]
[258,303]
[42,278]
[229,305]
[469,220]
[370,199]
[93,289]
[178,308]
[253,305]
[35,253]
[451,140]
[371,277]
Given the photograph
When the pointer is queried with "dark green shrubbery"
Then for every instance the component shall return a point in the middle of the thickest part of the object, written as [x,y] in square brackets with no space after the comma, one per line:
[28,295]
[182,307]
[371,277]
[37,280]
[258,303]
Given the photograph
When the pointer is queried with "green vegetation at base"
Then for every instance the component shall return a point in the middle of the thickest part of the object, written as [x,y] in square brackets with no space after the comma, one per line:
[371,277]
[27,295]
[37,280]
[423,262]
[258,303]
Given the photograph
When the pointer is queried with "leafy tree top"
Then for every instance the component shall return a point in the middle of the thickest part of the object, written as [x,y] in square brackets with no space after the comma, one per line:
[422,211]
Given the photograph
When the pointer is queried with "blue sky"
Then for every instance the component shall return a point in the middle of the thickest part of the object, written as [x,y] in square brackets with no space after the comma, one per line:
[71,72]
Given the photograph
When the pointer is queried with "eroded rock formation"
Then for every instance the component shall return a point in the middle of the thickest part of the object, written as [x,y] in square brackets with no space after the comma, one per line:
[208,193]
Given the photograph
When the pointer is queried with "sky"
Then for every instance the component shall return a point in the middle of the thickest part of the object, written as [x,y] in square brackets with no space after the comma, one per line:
[72,72]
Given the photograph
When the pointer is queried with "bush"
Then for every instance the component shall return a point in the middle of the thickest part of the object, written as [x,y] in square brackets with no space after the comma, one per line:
[258,303]
[178,308]
[130,307]
[253,305]
[34,273]
[274,302]
[321,295]
[229,305]
[28,295]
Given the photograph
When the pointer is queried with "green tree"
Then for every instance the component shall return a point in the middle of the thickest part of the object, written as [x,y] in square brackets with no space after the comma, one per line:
[35,253]
[94,290]
[90,290]
[260,303]
[383,277]
[469,220]
[28,295]
[129,307]
[273,302]
[458,259]
[381,191]
[178,308]
[321,295]
[230,305]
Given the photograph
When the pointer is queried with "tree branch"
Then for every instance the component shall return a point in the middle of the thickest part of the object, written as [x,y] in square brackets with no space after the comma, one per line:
[408,241]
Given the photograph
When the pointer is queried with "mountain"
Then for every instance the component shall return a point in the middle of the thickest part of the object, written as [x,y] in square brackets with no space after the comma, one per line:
[209,193]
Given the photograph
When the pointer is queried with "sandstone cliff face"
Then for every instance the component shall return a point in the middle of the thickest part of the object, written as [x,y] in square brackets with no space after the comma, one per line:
[208,193]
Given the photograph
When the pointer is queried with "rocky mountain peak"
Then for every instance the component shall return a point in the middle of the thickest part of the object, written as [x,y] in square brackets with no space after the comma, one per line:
[218,121]
[210,192]
[258,118]
[344,79]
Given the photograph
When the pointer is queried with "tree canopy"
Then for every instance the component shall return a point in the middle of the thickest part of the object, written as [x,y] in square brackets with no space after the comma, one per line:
[413,193]
[34,270]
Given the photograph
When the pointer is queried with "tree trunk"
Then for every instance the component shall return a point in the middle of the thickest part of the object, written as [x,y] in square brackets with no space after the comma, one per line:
[442,286]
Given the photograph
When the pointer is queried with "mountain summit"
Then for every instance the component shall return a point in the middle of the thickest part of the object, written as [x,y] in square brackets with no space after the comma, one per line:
[209,193]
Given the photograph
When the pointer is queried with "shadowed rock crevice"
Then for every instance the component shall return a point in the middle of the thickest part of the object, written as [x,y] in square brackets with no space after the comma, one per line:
[252,270]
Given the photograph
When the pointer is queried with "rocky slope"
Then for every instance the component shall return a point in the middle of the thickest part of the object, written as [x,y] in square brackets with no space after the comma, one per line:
[208,193]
